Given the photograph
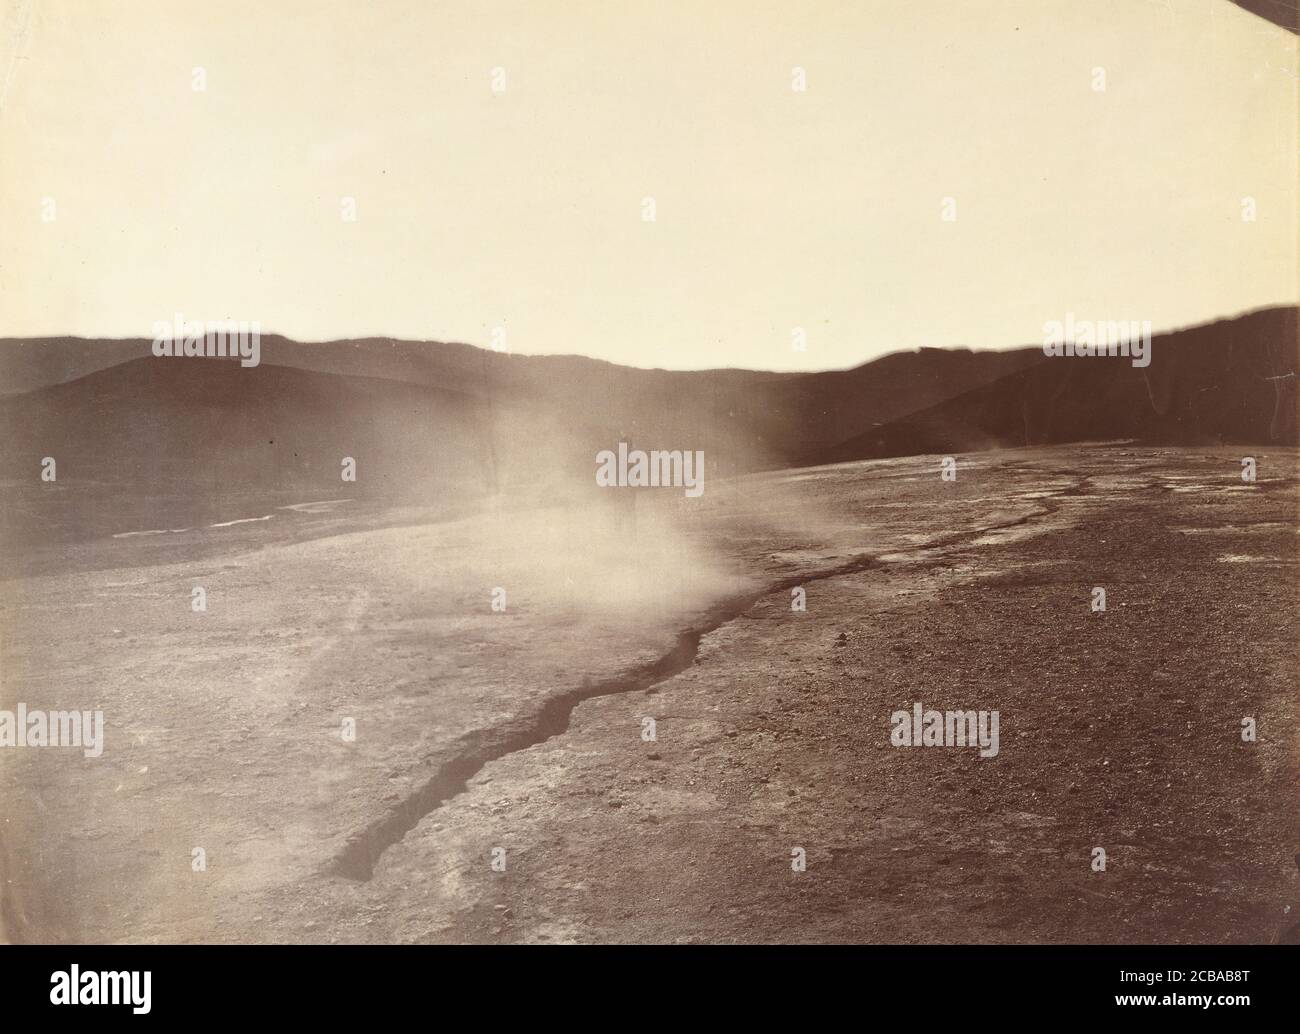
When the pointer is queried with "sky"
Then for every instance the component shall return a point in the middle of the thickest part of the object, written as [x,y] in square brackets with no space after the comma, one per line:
[1097,157]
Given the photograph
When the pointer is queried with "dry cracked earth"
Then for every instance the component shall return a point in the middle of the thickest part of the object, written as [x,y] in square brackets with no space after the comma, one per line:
[502,786]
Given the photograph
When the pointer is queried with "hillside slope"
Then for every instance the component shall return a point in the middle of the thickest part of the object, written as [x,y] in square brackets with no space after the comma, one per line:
[1230,381]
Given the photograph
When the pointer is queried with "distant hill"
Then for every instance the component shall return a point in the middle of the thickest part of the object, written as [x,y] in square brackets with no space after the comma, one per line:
[210,423]
[432,421]
[30,363]
[507,419]
[1230,381]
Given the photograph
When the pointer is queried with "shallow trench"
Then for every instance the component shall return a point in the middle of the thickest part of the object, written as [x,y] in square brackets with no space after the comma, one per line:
[358,856]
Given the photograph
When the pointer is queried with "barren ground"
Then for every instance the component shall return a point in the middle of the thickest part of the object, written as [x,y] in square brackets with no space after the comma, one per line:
[523,730]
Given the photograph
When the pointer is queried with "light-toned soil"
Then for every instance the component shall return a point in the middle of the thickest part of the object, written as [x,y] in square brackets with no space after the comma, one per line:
[522,730]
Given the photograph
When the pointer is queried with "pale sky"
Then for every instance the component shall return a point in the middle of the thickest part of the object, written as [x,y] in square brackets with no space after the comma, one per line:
[522,209]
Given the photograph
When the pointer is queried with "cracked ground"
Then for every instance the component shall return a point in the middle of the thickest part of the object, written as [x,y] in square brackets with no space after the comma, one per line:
[522,733]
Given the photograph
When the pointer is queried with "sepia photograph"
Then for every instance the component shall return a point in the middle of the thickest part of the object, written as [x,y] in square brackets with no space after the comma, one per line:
[629,473]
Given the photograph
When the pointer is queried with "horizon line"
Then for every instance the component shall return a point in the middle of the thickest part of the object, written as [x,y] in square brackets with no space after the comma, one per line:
[1242,314]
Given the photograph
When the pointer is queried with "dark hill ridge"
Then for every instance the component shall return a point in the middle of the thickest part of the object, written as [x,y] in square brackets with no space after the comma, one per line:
[1230,381]
[531,415]
[425,420]
[209,422]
